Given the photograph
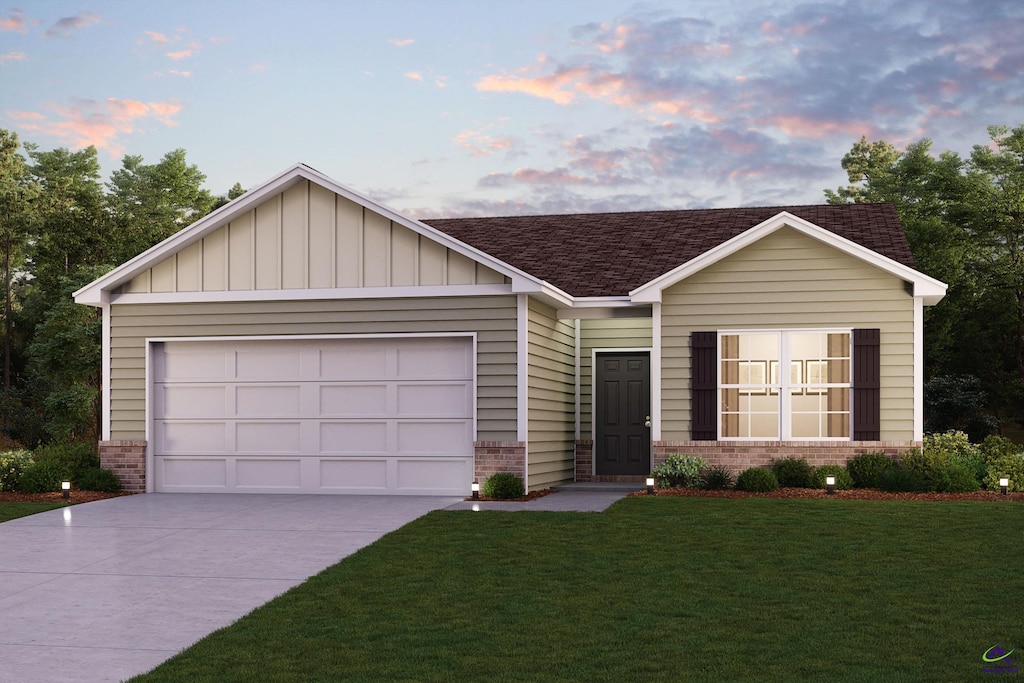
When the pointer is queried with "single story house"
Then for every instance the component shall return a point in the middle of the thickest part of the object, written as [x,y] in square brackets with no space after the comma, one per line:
[304,338]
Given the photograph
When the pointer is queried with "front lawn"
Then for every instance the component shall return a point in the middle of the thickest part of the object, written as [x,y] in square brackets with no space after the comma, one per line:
[10,511]
[663,589]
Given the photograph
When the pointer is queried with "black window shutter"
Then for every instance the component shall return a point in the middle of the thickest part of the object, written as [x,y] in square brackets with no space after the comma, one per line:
[704,386]
[867,383]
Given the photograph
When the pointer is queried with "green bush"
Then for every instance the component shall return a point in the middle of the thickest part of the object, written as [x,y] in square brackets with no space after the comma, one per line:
[955,478]
[793,472]
[843,479]
[98,479]
[717,477]
[994,447]
[1010,466]
[75,457]
[899,480]
[938,471]
[43,476]
[867,469]
[503,485]
[757,479]
[959,449]
[12,464]
[680,470]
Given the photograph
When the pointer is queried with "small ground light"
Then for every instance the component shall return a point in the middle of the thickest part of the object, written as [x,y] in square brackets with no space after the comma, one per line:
[830,482]
[1004,485]
[65,487]
[650,486]
[475,488]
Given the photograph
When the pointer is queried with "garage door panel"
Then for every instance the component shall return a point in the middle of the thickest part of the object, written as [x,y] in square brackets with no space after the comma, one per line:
[381,415]
[362,400]
[355,473]
[434,399]
[276,400]
[435,436]
[354,362]
[273,473]
[268,437]
[360,438]
[190,401]
[184,436]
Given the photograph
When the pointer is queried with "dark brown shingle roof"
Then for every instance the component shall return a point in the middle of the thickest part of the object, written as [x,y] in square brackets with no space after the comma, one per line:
[609,254]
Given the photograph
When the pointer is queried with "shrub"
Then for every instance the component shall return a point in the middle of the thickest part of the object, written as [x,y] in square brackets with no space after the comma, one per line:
[503,485]
[997,446]
[899,480]
[955,478]
[717,477]
[1011,466]
[680,470]
[843,479]
[960,450]
[792,472]
[867,469]
[98,479]
[43,476]
[938,471]
[757,479]
[12,464]
[75,457]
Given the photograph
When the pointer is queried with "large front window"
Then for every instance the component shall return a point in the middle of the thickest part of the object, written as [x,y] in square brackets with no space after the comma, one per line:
[791,384]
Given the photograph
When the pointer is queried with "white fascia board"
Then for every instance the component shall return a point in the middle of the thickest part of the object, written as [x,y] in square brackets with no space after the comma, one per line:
[96,292]
[595,308]
[426,291]
[931,289]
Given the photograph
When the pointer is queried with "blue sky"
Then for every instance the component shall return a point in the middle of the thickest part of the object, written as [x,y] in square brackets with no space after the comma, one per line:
[474,107]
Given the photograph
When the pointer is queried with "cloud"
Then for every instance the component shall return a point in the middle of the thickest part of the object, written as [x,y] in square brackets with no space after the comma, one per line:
[13,57]
[15,22]
[480,144]
[179,54]
[414,75]
[402,42]
[102,124]
[551,87]
[65,25]
[155,38]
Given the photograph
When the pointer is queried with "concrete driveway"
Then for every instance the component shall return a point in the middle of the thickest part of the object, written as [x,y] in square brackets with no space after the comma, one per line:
[106,590]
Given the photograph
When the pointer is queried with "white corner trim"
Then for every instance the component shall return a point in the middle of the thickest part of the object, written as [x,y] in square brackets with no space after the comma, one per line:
[412,292]
[928,287]
[655,374]
[105,372]
[576,341]
[919,305]
[522,367]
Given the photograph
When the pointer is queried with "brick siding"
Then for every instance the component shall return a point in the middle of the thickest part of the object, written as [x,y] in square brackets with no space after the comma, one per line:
[126,459]
[499,456]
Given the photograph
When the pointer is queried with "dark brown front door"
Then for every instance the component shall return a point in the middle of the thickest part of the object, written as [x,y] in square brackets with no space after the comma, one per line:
[622,389]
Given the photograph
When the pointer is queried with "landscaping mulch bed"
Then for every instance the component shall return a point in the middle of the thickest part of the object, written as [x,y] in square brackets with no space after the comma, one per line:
[529,496]
[852,494]
[56,497]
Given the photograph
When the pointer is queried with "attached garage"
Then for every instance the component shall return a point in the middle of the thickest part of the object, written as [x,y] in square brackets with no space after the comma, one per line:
[313,415]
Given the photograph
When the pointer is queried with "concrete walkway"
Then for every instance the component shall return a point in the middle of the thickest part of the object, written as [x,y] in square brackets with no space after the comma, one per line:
[103,591]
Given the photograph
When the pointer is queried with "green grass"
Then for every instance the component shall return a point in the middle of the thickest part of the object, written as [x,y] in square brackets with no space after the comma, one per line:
[10,511]
[662,589]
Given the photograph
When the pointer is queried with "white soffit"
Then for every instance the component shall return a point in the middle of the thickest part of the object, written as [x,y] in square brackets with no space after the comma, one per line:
[927,288]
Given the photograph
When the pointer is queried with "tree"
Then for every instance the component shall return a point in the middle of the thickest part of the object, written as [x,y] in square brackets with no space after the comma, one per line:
[152,202]
[234,193]
[963,220]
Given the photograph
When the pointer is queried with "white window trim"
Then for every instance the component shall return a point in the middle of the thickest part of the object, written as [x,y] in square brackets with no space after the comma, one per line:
[785,411]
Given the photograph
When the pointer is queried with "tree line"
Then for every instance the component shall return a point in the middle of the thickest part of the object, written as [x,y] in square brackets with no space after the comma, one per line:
[62,226]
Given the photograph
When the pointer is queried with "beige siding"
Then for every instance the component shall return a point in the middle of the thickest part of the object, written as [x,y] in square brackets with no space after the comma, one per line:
[551,389]
[493,319]
[310,238]
[622,333]
[789,280]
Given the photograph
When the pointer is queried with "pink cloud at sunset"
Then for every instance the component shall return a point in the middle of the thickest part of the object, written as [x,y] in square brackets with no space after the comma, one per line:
[13,57]
[15,22]
[479,144]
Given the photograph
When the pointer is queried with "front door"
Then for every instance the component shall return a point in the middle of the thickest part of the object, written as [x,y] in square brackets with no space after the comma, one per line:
[622,388]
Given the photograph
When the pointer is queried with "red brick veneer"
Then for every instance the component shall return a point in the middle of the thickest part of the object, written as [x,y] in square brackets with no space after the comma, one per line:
[499,456]
[126,459]
[739,455]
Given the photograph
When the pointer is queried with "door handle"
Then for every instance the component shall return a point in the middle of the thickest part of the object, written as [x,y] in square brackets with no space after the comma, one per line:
[647,421]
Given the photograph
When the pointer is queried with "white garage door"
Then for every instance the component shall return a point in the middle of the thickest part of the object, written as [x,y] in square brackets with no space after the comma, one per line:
[314,416]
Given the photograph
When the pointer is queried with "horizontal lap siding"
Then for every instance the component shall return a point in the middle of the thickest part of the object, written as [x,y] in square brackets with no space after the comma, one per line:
[625,333]
[492,318]
[551,397]
[789,280]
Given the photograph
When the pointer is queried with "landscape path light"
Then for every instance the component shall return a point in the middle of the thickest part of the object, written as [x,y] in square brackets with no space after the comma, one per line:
[650,486]
[475,488]
[1004,485]
[65,487]
[830,482]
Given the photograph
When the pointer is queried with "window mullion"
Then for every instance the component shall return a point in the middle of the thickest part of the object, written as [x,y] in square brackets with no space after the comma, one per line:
[785,410]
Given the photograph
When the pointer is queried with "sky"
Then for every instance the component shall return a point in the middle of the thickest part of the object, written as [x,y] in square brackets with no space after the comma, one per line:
[447,108]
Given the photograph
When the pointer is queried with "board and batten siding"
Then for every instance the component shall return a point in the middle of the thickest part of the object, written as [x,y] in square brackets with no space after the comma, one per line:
[551,392]
[790,280]
[492,318]
[308,237]
[621,333]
